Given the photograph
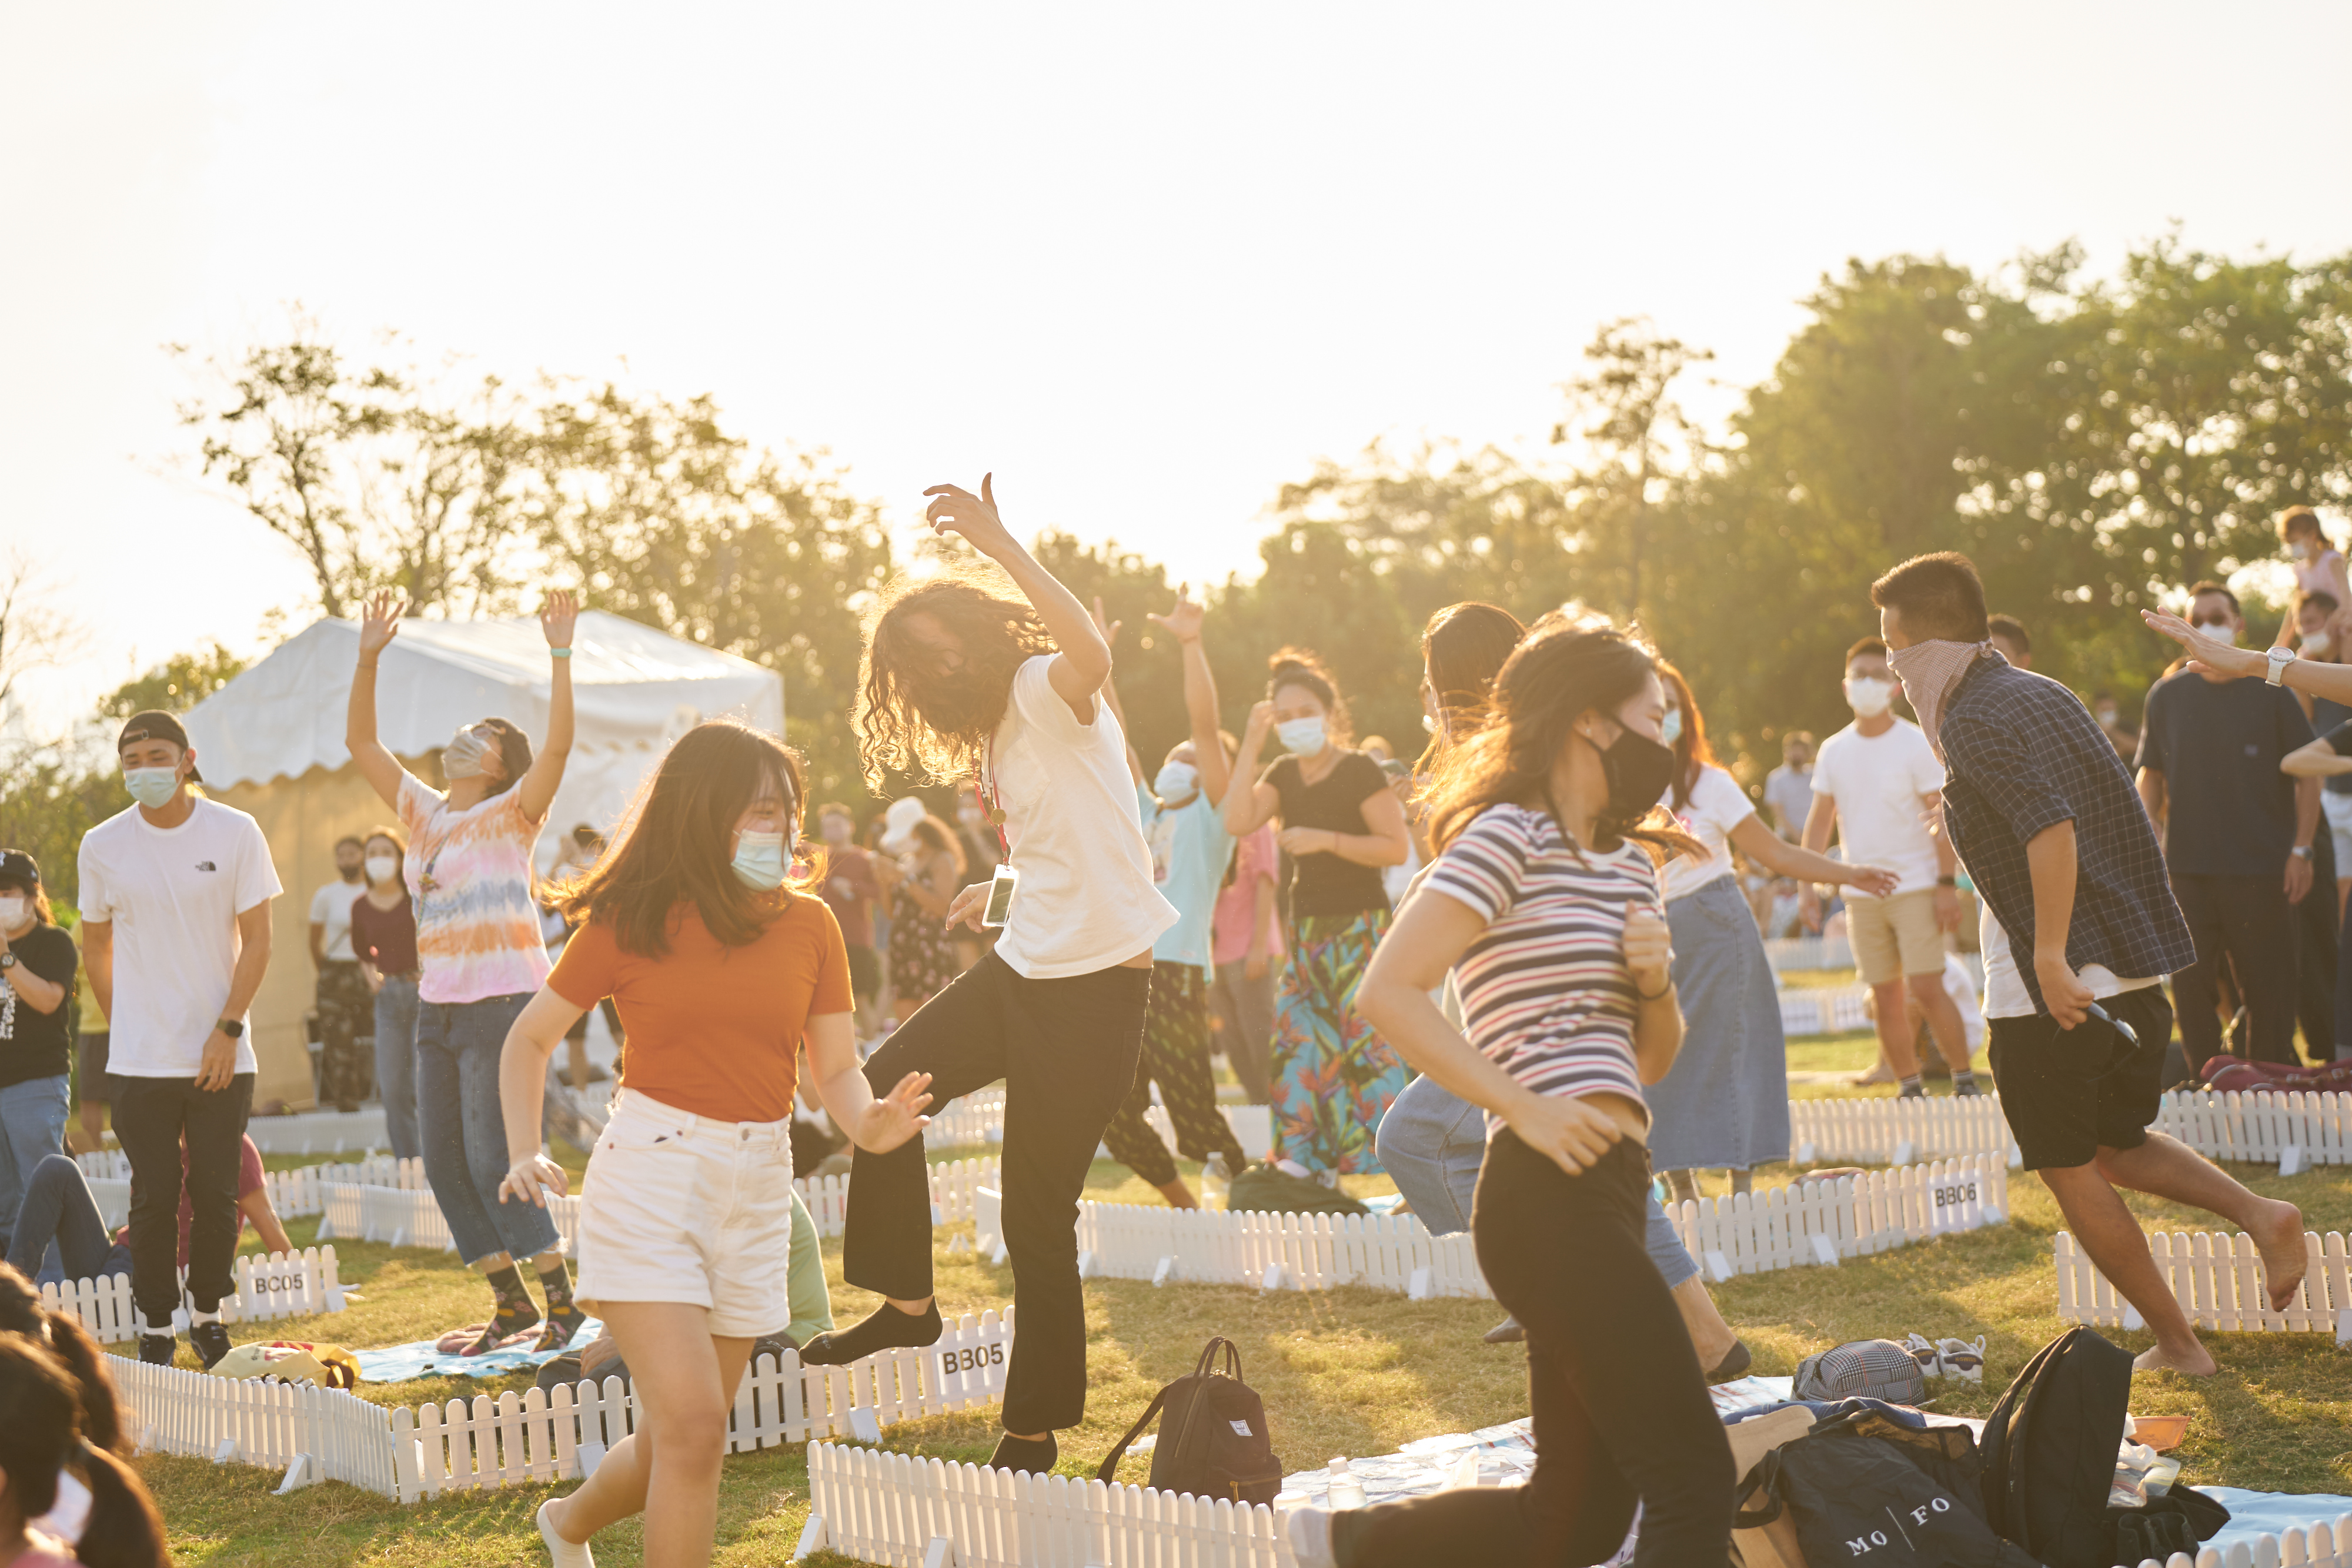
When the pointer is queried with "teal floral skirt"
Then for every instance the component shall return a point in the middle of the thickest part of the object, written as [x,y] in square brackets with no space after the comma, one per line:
[1333,1077]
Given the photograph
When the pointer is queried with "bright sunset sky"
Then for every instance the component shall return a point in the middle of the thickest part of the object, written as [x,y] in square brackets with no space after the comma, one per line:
[1145,263]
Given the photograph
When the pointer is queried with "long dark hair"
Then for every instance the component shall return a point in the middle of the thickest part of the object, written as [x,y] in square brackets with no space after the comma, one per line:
[932,724]
[675,844]
[1692,753]
[124,1530]
[1560,672]
[1463,648]
[1301,668]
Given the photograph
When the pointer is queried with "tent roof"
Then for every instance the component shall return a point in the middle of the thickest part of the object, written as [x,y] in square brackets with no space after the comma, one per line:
[632,687]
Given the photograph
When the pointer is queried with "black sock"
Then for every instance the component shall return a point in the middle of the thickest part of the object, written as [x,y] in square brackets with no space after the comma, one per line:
[515,1312]
[1035,1455]
[563,1314]
[1964,1080]
[1911,1090]
[885,1327]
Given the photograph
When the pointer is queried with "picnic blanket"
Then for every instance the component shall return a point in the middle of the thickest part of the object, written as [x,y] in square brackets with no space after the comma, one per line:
[2253,1513]
[399,1362]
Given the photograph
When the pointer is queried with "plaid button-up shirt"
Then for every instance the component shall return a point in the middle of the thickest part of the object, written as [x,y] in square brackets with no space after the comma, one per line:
[2022,754]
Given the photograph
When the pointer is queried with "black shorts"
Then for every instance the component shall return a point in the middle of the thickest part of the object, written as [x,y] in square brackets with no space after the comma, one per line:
[90,1069]
[2067,1094]
[865,974]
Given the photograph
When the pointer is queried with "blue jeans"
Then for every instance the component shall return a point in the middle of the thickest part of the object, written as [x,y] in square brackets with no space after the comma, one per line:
[396,1064]
[465,1132]
[1433,1143]
[32,1128]
[60,1219]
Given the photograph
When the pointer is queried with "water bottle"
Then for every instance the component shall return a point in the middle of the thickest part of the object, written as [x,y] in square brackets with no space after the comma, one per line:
[1344,1490]
[1216,1182]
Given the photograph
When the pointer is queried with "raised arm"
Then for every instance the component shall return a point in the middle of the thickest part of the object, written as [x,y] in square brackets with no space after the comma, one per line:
[1084,661]
[1778,855]
[2316,760]
[1249,802]
[379,624]
[535,792]
[1184,623]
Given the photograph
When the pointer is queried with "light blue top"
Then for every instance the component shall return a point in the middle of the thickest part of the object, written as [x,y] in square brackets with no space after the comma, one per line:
[1190,848]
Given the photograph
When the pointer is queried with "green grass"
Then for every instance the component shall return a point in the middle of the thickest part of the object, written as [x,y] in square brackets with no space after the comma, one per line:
[1345,1372]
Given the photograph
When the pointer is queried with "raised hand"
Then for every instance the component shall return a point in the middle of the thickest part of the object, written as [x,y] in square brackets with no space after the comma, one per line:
[559,618]
[894,1117]
[1260,719]
[1182,622]
[956,510]
[2206,653]
[380,622]
[1105,624]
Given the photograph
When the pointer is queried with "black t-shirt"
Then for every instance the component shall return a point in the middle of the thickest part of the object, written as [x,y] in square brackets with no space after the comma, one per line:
[1326,883]
[2230,811]
[32,1042]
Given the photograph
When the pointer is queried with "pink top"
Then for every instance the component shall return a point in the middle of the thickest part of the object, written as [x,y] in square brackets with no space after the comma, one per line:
[1253,857]
[2320,574]
[469,874]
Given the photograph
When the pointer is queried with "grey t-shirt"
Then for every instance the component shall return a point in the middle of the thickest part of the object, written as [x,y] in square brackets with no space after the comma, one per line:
[1789,792]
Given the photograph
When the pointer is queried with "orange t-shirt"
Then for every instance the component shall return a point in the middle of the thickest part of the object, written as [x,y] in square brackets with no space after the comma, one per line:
[712,1030]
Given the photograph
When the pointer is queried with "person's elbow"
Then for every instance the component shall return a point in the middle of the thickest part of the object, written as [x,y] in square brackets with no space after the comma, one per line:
[1375,1000]
[1090,661]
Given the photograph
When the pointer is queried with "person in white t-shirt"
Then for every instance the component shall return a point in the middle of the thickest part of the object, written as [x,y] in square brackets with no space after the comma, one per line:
[1000,674]
[346,1006]
[174,897]
[1726,1104]
[1878,783]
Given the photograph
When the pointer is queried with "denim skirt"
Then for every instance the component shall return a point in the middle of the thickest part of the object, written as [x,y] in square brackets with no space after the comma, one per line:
[1726,1104]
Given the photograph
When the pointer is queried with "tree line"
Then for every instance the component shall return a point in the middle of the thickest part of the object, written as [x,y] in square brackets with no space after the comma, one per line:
[2091,441]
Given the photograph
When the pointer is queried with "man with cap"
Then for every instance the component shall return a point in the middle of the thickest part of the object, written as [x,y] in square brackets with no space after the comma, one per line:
[176,926]
[37,994]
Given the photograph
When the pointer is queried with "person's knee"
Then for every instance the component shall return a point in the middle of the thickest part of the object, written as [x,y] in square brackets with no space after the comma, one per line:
[1928,988]
[690,1430]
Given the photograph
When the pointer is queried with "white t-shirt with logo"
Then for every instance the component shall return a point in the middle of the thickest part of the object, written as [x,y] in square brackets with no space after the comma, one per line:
[1717,806]
[2005,993]
[330,906]
[1086,900]
[1876,782]
[173,895]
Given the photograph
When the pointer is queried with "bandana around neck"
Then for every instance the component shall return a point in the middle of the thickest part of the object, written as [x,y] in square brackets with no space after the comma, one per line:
[1930,671]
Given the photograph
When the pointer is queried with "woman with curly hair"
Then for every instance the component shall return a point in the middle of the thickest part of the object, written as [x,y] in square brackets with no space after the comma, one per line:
[1333,1079]
[1000,676]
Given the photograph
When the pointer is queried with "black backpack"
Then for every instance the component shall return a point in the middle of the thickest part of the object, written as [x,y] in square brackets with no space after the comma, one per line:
[1861,1487]
[1212,1440]
[2050,1450]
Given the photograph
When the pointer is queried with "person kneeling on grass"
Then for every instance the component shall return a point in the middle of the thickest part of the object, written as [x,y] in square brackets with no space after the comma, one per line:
[720,971]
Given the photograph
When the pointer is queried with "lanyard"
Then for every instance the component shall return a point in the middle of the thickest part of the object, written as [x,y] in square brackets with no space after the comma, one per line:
[991,798]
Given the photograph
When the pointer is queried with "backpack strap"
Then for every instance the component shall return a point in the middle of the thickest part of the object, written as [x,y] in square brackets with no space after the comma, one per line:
[1118,1449]
[1764,1479]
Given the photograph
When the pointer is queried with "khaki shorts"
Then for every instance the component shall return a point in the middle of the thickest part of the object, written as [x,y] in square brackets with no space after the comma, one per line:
[1893,937]
[690,1209]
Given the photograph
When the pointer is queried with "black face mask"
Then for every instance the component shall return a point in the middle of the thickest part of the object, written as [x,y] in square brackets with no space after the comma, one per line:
[1638,769]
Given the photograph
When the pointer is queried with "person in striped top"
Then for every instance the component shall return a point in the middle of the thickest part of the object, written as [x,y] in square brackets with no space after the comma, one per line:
[1544,902]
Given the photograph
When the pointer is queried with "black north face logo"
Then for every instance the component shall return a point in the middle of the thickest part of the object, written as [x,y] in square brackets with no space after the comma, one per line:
[206,865]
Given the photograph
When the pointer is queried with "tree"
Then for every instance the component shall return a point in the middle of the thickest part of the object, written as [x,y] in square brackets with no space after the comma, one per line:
[34,634]
[1621,410]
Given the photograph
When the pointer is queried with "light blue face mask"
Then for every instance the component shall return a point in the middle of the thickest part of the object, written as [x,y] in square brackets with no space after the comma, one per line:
[152,787]
[759,861]
[1671,730]
[1177,782]
[1301,736]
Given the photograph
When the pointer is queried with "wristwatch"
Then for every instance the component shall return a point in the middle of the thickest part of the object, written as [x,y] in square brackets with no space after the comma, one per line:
[2302,850]
[232,1028]
[7,960]
[2280,658]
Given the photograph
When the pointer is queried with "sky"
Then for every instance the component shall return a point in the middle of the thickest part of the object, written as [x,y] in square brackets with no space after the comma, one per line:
[1145,264]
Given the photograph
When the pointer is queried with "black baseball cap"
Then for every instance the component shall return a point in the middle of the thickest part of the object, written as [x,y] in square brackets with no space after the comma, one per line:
[154,724]
[16,865]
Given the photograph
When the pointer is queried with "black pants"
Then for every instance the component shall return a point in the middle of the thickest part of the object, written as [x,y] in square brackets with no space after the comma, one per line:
[1622,1412]
[2246,923]
[2314,920]
[1175,1057]
[1065,1050]
[151,1116]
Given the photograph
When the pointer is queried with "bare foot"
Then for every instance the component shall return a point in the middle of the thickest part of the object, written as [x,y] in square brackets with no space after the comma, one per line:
[2278,1236]
[2194,1361]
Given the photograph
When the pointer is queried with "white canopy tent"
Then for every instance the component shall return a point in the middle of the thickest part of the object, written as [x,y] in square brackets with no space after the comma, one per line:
[271,743]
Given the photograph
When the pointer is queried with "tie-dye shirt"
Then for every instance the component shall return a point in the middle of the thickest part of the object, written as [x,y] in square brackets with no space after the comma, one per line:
[469,873]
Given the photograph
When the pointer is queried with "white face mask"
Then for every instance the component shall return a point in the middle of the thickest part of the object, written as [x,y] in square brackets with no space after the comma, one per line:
[2315,645]
[2220,630]
[1868,696]
[2301,550]
[1177,782]
[380,868]
[1670,729]
[2107,715]
[11,910]
[462,758]
[1302,736]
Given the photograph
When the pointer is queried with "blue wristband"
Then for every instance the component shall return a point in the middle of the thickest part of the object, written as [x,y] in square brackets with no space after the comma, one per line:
[559,652]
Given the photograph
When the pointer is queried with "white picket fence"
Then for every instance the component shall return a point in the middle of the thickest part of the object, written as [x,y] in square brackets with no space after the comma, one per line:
[1852,1217]
[1808,953]
[1253,1127]
[1831,1010]
[2291,1130]
[971,1119]
[252,1421]
[293,1194]
[892,1507]
[2217,1278]
[1745,1233]
[319,1132]
[280,1285]
[1855,1129]
[2316,1546]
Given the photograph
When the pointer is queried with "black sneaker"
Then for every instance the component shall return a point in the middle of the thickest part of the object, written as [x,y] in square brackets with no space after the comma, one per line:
[157,1349]
[210,1342]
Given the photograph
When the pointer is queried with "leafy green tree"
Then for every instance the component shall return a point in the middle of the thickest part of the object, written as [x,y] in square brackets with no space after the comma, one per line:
[1622,413]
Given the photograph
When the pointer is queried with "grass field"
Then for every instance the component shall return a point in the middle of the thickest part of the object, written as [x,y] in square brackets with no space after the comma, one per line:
[1347,1371]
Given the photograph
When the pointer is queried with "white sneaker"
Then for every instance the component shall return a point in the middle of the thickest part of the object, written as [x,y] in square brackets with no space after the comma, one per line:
[1309,1530]
[1929,1357]
[565,1553]
[1962,1361]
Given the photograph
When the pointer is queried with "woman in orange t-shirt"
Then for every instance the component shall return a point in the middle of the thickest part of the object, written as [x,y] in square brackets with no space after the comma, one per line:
[721,972]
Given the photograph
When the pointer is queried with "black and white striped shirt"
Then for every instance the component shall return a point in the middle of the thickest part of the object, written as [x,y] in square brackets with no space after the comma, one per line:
[1544,989]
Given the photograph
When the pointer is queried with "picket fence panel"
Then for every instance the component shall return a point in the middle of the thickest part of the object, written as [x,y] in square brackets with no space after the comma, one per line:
[1871,1131]
[1808,953]
[280,1285]
[175,1411]
[319,1132]
[1253,1127]
[2260,1127]
[1875,1212]
[970,1119]
[1826,1011]
[2322,1545]
[887,1508]
[294,1194]
[2217,1278]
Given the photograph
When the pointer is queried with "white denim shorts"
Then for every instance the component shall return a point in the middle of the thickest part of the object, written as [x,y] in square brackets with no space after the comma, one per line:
[679,1208]
[2338,811]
